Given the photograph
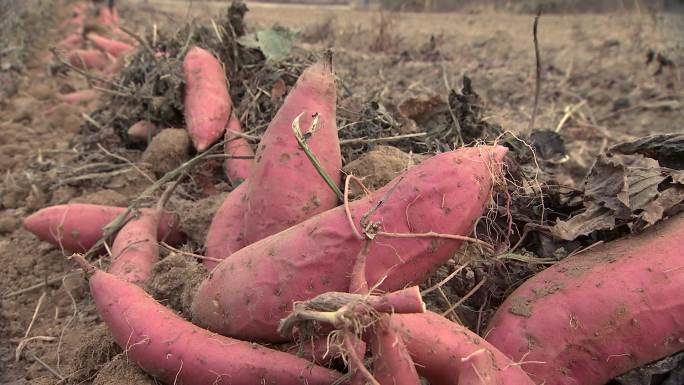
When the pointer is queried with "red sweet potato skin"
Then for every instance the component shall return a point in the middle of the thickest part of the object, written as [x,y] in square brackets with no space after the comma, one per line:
[77,227]
[237,170]
[392,364]
[446,353]
[207,102]
[111,46]
[286,188]
[143,130]
[88,59]
[225,232]
[80,96]
[600,313]
[135,249]
[247,294]
[176,351]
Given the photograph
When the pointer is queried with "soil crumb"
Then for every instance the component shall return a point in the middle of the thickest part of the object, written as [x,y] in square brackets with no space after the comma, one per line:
[168,150]
[120,371]
[379,166]
[103,197]
[197,216]
[174,282]
[97,350]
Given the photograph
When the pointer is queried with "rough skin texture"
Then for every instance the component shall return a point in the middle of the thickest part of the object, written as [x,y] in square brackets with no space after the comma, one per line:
[598,314]
[247,294]
[135,249]
[237,170]
[176,351]
[285,187]
[77,227]
[447,353]
[225,232]
[207,102]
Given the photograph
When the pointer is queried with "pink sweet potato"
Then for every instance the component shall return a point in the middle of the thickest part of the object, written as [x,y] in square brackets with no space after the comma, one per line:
[285,187]
[111,46]
[178,352]
[237,170]
[600,313]
[225,232]
[248,293]
[207,102]
[392,364]
[135,249]
[446,353]
[72,40]
[77,227]
[142,131]
[80,96]
[88,59]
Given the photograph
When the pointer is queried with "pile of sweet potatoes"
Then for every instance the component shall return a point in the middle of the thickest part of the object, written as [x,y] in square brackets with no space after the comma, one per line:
[289,258]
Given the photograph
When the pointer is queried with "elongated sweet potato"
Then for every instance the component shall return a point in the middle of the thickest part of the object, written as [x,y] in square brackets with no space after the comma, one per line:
[111,46]
[446,353]
[178,352]
[207,102]
[237,170]
[77,227]
[79,96]
[248,293]
[225,232]
[600,313]
[88,59]
[135,248]
[285,187]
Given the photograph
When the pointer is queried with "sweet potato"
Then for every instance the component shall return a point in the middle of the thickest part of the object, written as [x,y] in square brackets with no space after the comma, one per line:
[249,292]
[178,352]
[600,313]
[111,46]
[446,353]
[88,59]
[207,102]
[80,96]
[225,232]
[142,131]
[72,40]
[285,187]
[237,170]
[392,364]
[107,16]
[135,248]
[77,227]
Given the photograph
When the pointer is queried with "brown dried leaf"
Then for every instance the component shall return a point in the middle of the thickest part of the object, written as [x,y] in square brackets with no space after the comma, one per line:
[667,149]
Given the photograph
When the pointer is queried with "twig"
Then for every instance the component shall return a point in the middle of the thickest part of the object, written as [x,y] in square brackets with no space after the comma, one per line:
[317,165]
[382,200]
[537,87]
[37,286]
[345,142]
[121,158]
[189,254]
[25,339]
[87,74]
[445,280]
[73,317]
[346,208]
[139,39]
[432,234]
[43,364]
[465,297]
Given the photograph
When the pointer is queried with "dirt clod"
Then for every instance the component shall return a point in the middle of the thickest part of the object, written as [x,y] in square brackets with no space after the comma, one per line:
[168,150]
[103,197]
[379,166]
[174,281]
[120,371]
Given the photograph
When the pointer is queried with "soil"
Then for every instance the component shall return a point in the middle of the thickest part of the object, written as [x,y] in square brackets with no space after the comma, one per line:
[592,64]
